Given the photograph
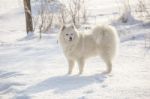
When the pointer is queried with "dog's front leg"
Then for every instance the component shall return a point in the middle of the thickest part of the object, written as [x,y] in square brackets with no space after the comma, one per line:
[81,65]
[71,65]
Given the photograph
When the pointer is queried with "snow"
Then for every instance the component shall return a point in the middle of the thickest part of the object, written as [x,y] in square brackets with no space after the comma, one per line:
[36,69]
[11,23]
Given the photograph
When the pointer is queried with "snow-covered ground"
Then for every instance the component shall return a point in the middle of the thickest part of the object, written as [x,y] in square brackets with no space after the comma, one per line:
[36,69]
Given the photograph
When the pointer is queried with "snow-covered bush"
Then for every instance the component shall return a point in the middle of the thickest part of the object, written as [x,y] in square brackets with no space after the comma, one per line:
[44,12]
[77,11]
[147,40]
[126,15]
[143,9]
[54,13]
[74,12]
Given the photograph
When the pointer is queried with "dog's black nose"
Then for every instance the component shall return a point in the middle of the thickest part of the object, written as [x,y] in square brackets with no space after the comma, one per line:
[70,38]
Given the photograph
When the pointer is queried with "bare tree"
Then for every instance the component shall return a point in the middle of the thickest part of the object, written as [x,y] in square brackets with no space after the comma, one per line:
[28,16]
[126,15]
[143,9]
[76,11]
[43,20]
[147,40]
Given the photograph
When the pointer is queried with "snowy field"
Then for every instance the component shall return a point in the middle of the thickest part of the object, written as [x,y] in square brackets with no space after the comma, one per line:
[36,69]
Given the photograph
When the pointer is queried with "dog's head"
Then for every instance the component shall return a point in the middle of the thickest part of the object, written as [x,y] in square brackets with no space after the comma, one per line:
[68,34]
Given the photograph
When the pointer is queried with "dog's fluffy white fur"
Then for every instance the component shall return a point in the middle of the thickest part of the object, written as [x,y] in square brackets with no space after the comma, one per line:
[101,41]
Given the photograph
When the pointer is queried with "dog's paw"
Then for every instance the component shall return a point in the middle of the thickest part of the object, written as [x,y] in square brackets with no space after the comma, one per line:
[106,72]
[69,73]
[80,73]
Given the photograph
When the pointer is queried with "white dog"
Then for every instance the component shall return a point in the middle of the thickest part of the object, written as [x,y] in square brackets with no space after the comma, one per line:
[77,47]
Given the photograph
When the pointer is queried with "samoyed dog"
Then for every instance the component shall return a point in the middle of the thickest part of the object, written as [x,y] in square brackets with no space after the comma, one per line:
[101,41]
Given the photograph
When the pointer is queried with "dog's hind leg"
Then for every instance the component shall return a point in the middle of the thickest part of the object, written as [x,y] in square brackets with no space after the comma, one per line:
[81,65]
[71,66]
[107,59]
[109,66]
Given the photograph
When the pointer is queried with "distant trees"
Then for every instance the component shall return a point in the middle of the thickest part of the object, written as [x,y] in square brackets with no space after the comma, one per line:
[28,16]
[74,12]
[49,14]
[77,12]
[131,12]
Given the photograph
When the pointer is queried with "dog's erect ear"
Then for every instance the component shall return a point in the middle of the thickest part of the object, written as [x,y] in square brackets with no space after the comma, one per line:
[63,27]
[72,26]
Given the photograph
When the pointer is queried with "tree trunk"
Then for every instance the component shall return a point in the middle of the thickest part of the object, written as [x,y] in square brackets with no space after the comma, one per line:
[28,16]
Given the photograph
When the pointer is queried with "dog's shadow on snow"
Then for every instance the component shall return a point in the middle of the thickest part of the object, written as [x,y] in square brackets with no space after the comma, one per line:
[62,84]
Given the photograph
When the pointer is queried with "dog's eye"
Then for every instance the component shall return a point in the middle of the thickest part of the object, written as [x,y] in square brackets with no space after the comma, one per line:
[67,34]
